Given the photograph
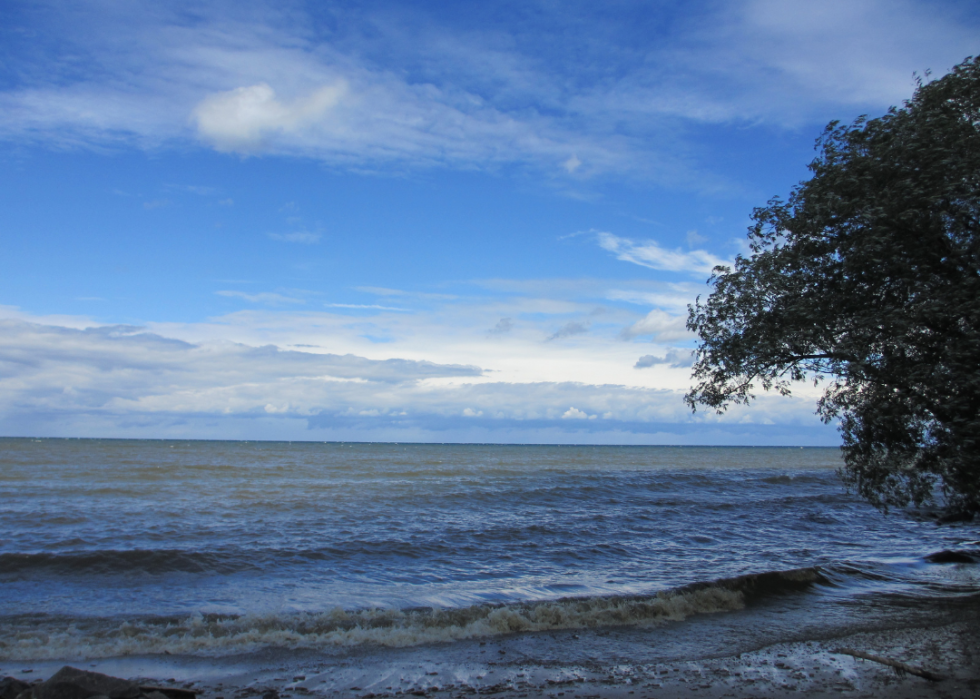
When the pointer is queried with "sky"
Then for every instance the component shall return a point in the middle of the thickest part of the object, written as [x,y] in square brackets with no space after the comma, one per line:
[409,221]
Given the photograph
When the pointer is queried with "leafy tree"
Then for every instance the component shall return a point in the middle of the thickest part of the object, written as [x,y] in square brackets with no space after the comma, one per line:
[868,278]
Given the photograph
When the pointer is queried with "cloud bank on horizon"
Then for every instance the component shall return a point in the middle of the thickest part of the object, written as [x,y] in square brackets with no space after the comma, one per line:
[126,381]
[407,221]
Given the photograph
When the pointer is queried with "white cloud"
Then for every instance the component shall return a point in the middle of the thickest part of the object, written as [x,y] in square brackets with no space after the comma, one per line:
[650,254]
[575,414]
[243,118]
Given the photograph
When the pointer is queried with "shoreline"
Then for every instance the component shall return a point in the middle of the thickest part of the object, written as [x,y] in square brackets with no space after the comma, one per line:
[807,668]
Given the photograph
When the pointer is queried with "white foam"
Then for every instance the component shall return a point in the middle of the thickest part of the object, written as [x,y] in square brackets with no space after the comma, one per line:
[211,636]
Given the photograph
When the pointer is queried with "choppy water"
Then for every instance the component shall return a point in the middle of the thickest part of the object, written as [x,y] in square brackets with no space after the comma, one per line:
[111,547]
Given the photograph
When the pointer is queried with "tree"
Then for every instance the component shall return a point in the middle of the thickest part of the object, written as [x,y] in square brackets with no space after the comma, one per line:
[868,278]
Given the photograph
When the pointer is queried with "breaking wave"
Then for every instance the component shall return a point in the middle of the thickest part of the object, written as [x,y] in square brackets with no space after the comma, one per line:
[38,638]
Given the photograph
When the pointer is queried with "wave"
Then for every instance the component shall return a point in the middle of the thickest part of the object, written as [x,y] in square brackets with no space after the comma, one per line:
[212,635]
[108,562]
[220,561]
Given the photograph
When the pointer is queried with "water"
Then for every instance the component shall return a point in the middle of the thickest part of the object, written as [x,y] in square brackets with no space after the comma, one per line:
[111,548]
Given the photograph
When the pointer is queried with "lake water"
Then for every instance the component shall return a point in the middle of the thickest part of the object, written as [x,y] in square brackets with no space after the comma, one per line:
[119,548]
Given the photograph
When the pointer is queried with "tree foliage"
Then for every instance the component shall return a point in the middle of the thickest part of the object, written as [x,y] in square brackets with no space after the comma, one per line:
[868,278]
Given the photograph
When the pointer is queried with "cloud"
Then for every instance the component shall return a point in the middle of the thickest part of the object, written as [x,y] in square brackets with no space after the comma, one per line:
[266,297]
[127,381]
[367,306]
[384,291]
[650,254]
[675,300]
[429,90]
[124,368]
[785,64]
[504,325]
[694,238]
[569,329]
[243,118]
[675,358]
[661,326]
[200,190]
[300,237]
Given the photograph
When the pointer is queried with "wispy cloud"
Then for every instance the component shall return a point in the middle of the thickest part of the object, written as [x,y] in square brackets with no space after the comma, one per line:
[649,253]
[568,330]
[504,325]
[265,297]
[660,326]
[200,190]
[385,291]
[367,306]
[693,238]
[410,88]
[304,237]
[674,301]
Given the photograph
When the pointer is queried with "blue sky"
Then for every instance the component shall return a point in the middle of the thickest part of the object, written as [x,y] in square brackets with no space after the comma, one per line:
[408,221]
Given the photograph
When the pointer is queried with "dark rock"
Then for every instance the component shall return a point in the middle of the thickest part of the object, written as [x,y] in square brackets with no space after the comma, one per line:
[270,694]
[10,687]
[168,692]
[72,683]
[950,557]
[954,517]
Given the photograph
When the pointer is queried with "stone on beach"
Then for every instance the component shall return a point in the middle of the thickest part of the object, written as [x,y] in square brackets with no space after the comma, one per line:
[11,687]
[72,683]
